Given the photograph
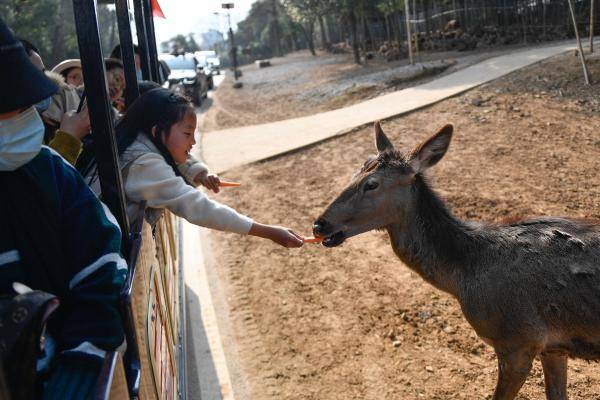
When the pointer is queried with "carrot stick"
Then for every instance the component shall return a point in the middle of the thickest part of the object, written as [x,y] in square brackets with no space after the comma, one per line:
[223,183]
[312,239]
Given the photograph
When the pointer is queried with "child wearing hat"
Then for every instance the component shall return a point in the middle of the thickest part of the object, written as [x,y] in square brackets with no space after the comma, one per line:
[71,71]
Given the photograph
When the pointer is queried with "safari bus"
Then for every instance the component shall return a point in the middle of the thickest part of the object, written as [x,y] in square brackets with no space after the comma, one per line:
[375,338]
[153,297]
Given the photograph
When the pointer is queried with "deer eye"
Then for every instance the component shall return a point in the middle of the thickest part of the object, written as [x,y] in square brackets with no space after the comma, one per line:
[371,185]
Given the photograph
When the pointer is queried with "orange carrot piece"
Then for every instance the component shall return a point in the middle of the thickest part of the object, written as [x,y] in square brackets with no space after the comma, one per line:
[312,239]
[229,184]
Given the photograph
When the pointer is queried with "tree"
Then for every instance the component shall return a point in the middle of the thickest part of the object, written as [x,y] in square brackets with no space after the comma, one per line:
[180,44]
[213,40]
[305,12]
[50,26]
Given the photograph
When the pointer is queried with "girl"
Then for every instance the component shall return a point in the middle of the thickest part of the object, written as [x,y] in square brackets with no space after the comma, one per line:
[154,140]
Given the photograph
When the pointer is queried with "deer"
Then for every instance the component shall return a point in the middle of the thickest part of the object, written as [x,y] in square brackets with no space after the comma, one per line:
[529,288]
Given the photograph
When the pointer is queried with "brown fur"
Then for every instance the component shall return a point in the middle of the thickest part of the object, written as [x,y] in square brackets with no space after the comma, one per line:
[529,288]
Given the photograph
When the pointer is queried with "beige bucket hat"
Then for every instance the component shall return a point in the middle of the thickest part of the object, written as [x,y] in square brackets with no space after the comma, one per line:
[66,64]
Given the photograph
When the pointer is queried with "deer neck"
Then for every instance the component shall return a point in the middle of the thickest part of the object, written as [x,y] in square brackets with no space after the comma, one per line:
[434,243]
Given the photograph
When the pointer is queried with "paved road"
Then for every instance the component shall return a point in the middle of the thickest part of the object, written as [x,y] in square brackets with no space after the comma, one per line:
[226,149]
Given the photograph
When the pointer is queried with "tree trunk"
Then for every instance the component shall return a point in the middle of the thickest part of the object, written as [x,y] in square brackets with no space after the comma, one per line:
[368,35]
[394,28]
[354,36]
[294,39]
[308,33]
[544,18]
[341,29]
[416,29]
[328,34]
[592,21]
[275,39]
[388,34]
[454,9]
[58,42]
[524,26]
[426,15]
[408,34]
[581,55]
[324,43]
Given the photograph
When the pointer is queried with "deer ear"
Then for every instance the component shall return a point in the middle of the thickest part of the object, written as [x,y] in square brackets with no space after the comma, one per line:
[381,141]
[428,153]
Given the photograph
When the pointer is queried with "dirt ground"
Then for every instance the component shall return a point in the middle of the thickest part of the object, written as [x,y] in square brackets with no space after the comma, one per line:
[353,322]
[300,84]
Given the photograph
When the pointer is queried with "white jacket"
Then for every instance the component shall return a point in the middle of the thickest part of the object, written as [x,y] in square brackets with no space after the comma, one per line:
[148,177]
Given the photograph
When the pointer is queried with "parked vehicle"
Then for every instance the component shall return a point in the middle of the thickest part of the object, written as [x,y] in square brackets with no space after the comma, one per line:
[214,64]
[210,59]
[187,76]
[207,70]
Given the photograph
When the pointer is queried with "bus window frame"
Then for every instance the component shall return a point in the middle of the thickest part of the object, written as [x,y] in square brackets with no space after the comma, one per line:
[105,147]
[132,91]
[141,31]
[100,113]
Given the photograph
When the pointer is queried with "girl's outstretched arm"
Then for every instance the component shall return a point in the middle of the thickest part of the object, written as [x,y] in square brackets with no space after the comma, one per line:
[279,234]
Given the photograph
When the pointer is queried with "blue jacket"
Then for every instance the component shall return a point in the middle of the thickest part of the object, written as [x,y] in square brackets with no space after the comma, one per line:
[92,272]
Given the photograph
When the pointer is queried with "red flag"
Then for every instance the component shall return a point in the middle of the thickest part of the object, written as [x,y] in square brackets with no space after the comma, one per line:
[156,10]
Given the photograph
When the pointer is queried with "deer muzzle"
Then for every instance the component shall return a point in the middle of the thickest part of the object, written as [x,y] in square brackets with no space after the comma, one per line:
[332,238]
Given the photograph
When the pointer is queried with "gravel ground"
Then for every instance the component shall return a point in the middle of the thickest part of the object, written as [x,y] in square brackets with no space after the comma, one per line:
[300,84]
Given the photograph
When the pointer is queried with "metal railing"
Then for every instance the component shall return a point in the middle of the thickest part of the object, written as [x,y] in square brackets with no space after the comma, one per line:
[105,145]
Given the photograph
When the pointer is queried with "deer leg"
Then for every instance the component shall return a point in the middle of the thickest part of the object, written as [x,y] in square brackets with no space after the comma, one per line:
[513,368]
[555,375]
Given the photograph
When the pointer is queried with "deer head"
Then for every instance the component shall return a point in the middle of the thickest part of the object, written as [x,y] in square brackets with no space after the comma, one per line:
[382,192]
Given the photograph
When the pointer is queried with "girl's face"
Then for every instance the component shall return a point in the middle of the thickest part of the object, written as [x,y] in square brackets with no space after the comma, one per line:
[75,77]
[180,139]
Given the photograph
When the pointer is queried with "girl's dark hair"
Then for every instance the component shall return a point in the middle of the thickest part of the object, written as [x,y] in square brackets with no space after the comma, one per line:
[112,63]
[116,53]
[160,108]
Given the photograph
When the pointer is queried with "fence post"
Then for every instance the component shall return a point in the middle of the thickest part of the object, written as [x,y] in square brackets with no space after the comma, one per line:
[581,55]
[592,20]
[408,35]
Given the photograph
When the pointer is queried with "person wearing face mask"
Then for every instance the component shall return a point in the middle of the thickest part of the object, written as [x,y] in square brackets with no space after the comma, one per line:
[56,237]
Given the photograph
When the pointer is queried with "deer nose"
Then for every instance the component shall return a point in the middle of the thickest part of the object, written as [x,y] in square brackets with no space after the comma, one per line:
[320,227]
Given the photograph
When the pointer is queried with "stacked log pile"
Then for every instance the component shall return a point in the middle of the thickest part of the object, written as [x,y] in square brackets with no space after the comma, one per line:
[340,48]
[392,51]
[453,37]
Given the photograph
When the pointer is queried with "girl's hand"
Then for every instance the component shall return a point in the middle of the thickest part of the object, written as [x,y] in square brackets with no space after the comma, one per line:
[282,236]
[211,182]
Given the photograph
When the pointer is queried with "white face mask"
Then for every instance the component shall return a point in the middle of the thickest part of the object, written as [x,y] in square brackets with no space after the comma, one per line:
[20,139]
